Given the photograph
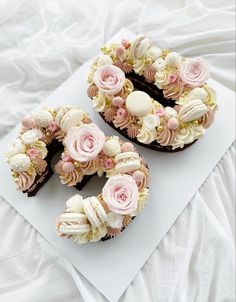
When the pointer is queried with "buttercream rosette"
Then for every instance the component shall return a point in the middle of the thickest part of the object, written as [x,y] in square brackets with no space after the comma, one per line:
[153,96]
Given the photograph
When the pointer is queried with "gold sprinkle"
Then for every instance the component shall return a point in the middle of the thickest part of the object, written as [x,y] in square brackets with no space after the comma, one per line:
[16,179]
[195,123]
[149,61]
[76,164]
[160,128]
[47,134]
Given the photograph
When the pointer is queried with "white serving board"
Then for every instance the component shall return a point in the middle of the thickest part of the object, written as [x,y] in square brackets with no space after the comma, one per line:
[110,266]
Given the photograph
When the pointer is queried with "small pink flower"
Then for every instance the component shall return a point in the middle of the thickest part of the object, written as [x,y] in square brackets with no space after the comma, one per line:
[121,194]
[85,142]
[160,111]
[194,72]
[172,78]
[53,127]
[109,79]
[108,163]
[33,153]
[121,112]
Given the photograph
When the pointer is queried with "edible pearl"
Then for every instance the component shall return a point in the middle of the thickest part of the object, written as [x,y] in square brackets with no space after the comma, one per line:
[127,147]
[68,167]
[173,123]
[138,176]
[27,123]
[120,51]
[118,101]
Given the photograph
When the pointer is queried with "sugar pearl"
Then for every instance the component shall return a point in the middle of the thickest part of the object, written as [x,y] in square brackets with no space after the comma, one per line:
[127,147]
[118,101]
[138,176]
[27,123]
[125,43]
[68,167]
[120,51]
[173,123]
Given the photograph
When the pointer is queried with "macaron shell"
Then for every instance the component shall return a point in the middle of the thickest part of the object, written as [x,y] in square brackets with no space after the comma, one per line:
[74,229]
[138,103]
[90,213]
[126,155]
[71,119]
[129,166]
[62,111]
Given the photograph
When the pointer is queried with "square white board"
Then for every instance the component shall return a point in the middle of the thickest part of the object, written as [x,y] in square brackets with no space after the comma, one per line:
[110,266]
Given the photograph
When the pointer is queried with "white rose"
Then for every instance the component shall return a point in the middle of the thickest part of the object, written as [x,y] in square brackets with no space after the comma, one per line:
[151,121]
[15,147]
[115,220]
[31,136]
[20,163]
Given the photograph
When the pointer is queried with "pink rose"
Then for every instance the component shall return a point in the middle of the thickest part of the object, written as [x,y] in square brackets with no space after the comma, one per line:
[84,142]
[194,72]
[121,194]
[109,79]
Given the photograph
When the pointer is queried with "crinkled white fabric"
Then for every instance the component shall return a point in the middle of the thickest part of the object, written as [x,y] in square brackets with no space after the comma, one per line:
[41,44]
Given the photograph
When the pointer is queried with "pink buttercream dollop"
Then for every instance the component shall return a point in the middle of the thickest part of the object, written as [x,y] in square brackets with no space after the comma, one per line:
[109,79]
[84,142]
[194,72]
[121,194]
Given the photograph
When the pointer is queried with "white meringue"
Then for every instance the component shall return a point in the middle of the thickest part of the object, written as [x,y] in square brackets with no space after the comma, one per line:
[112,147]
[15,147]
[31,136]
[20,163]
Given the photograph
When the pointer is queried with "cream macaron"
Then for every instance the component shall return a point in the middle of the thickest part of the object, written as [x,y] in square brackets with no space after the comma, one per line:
[94,211]
[68,117]
[73,223]
[192,110]
[138,103]
[127,162]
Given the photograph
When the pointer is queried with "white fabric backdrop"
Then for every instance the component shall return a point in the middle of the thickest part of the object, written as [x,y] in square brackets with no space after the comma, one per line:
[41,44]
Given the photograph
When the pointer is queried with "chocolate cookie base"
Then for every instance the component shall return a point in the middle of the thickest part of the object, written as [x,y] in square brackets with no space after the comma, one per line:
[154,92]
[153,145]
